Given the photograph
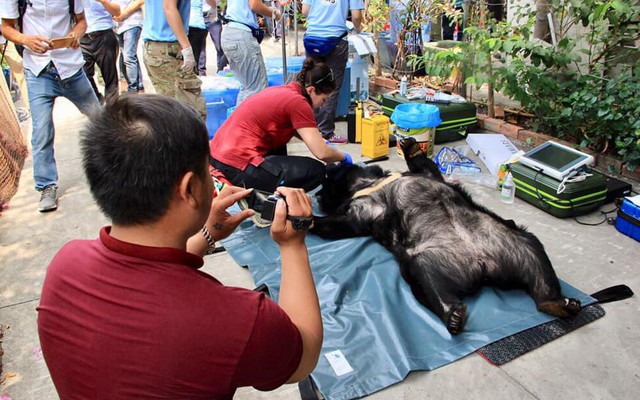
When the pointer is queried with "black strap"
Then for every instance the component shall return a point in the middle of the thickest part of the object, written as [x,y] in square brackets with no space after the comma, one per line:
[263,288]
[308,389]
[242,23]
[613,293]
[228,171]
[623,215]
[300,223]
[223,18]
[273,169]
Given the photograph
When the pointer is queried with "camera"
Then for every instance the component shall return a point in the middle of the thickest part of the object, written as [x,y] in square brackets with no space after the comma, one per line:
[263,203]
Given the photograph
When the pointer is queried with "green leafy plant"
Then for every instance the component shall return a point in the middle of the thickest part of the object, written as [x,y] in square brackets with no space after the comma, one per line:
[411,16]
[584,86]
[376,16]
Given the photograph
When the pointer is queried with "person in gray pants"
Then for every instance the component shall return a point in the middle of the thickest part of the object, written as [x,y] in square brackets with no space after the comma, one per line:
[241,44]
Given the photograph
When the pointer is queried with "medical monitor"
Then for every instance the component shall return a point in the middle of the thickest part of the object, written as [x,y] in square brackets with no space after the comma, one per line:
[556,160]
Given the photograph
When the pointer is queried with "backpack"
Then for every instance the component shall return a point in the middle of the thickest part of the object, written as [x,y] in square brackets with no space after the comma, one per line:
[22,8]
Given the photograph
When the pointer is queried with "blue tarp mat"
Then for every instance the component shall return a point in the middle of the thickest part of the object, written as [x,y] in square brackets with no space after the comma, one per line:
[371,316]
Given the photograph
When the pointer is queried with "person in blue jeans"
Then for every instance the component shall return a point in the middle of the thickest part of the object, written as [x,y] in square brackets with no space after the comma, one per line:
[326,25]
[128,29]
[214,27]
[50,73]
[242,48]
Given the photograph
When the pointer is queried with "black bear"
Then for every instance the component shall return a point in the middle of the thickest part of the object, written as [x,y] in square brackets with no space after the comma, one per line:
[447,246]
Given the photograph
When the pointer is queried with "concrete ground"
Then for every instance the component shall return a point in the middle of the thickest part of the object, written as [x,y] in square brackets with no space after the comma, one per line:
[598,361]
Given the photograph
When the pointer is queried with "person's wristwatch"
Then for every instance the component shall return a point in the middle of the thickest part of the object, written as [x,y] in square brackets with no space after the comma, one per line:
[208,238]
[300,223]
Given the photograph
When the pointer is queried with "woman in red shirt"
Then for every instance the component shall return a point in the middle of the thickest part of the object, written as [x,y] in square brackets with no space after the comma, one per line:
[249,149]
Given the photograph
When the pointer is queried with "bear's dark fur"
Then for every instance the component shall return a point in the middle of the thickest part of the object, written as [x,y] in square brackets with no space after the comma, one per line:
[447,245]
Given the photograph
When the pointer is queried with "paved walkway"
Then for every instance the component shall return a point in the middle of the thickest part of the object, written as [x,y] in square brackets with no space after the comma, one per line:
[598,361]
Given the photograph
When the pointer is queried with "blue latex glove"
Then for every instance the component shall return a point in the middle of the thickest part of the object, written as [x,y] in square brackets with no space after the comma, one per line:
[347,159]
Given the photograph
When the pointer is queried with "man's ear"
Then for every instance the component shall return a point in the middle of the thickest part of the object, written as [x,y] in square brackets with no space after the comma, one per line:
[187,189]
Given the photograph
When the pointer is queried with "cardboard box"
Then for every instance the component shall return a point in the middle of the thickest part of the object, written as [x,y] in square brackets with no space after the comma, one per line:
[492,148]
[359,70]
[363,44]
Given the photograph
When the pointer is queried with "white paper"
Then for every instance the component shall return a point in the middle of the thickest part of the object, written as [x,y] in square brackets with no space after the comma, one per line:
[635,200]
[338,362]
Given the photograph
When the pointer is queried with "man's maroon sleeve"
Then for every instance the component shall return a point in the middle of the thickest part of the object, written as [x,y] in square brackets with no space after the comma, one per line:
[273,352]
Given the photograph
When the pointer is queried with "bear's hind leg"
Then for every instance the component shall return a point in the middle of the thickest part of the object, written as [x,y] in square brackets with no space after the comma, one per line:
[435,293]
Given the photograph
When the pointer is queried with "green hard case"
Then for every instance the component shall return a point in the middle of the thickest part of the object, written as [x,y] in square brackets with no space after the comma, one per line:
[542,191]
[457,118]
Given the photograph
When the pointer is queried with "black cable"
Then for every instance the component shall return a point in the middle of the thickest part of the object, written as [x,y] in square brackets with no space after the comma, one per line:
[606,217]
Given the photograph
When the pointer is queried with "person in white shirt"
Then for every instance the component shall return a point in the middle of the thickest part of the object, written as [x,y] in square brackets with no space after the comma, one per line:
[50,73]
[128,29]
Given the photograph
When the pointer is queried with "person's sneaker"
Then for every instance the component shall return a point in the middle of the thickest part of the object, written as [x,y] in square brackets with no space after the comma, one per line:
[48,199]
[336,139]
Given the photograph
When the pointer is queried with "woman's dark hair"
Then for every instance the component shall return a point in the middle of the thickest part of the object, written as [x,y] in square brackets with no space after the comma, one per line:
[317,74]
[136,150]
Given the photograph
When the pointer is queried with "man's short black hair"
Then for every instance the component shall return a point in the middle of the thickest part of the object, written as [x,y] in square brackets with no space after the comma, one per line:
[136,150]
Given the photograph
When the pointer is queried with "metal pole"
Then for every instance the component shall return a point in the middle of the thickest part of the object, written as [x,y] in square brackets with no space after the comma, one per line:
[284,46]
[295,26]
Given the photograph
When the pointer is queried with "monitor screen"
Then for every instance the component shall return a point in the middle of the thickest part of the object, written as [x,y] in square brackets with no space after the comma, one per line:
[555,157]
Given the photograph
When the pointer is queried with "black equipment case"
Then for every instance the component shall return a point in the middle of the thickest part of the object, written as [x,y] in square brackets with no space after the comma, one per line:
[542,191]
[457,118]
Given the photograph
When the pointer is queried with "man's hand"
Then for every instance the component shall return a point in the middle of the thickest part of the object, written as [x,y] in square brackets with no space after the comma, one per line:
[37,43]
[276,14]
[220,223]
[76,40]
[298,204]
[188,60]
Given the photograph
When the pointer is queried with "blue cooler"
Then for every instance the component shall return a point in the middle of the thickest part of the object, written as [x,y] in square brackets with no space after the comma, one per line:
[275,68]
[294,64]
[628,220]
[220,93]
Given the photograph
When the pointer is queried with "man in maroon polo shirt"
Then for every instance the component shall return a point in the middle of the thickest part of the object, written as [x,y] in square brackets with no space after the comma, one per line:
[129,315]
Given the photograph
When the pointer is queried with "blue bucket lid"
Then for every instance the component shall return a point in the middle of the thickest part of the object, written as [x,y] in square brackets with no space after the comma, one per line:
[416,116]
